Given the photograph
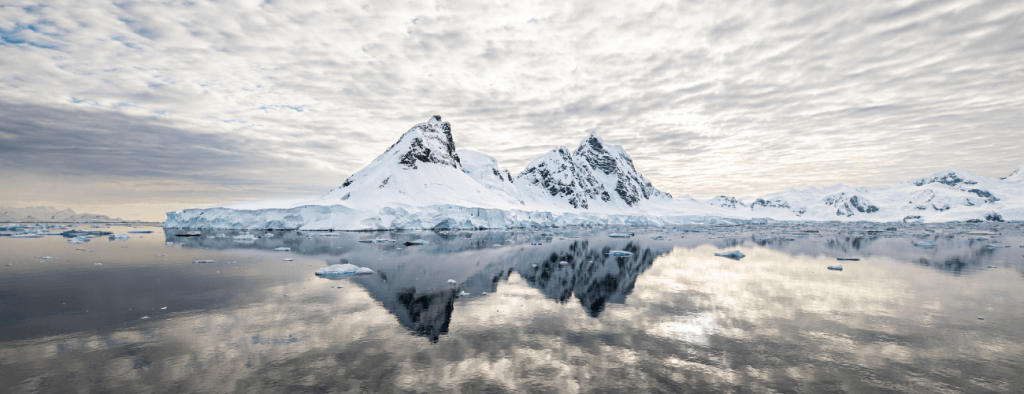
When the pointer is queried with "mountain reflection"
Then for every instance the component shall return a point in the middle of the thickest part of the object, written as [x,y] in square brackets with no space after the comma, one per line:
[412,281]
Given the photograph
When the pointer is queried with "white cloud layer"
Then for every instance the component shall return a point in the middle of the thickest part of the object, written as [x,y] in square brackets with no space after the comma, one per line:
[200,102]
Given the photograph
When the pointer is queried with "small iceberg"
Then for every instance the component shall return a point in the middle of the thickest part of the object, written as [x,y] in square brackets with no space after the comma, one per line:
[170,244]
[203,262]
[563,263]
[835,267]
[620,253]
[790,239]
[141,231]
[343,270]
[120,236]
[245,237]
[925,244]
[979,239]
[536,243]
[283,249]
[78,240]
[733,254]
[995,246]
[463,294]
[47,258]
[658,237]
[288,259]
[268,235]
[452,281]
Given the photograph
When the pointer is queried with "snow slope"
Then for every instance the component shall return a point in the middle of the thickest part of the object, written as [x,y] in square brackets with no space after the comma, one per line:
[423,182]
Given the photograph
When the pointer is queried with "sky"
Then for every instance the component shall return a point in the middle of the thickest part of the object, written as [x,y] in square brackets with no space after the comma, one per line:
[135,108]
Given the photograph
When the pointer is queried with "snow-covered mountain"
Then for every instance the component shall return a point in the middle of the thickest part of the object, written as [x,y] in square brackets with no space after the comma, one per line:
[950,195]
[49,214]
[423,182]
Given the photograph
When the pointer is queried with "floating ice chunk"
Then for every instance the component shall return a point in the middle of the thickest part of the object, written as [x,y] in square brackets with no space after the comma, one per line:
[992,266]
[416,242]
[452,281]
[980,239]
[484,293]
[161,255]
[140,231]
[145,317]
[120,236]
[78,240]
[203,262]
[245,237]
[337,287]
[282,249]
[996,245]
[343,270]
[981,318]
[547,234]
[658,237]
[790,239]
[47,258]
[925,244]
[288,259]
[99,263]
[563,263]
[496,245]
[536,243]
[10,265]
[835,267]
[463,294]
[163,308]
[618,235]
[534,265]
[170,243]
[620,253]
[268,235]
[733,254]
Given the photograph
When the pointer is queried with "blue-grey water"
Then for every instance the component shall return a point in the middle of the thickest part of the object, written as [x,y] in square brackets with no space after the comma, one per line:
[120,317]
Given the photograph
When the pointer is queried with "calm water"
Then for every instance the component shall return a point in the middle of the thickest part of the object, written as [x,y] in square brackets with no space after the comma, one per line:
[670,318]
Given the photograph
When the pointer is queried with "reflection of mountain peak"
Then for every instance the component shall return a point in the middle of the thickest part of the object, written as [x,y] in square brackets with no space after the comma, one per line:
[427,314]
[590,275]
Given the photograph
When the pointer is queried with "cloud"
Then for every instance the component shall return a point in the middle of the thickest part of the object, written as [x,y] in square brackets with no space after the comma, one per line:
[710,98]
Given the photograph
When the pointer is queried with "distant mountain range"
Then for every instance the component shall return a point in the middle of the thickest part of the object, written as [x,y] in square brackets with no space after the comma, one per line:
[49,214]
[423,182]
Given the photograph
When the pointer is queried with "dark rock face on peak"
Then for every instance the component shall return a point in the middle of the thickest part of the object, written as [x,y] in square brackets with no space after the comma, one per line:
[595,172]
[778,203]
[847,205]
[611,161]
[429,142]
[556,173]
[948,178]
[727,202]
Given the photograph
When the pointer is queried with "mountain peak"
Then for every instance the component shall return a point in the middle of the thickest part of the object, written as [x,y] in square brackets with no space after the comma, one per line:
[1017,174]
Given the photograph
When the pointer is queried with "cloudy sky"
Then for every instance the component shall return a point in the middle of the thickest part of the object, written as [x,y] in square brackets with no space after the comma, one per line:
[133,108]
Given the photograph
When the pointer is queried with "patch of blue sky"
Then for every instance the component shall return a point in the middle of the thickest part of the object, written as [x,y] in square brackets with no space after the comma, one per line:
[296,108]
[17,36]
[76,100]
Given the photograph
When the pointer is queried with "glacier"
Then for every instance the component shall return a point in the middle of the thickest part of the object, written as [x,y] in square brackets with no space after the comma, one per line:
[422,182]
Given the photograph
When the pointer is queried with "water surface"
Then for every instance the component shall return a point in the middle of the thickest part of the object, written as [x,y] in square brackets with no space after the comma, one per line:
[670,318]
